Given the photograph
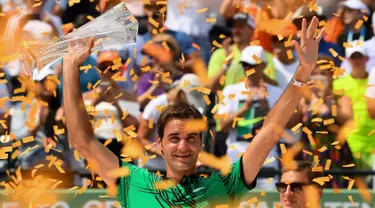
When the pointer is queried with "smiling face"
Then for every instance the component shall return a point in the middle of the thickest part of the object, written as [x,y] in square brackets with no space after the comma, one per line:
[180,148]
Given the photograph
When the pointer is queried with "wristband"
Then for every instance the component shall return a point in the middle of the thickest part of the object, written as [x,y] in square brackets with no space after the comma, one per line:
[297,83]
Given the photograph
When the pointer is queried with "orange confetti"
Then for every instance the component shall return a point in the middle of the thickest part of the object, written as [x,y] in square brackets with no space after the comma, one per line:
[250,72]
[257,59]
[296,127]
[358,24]
[328,164]
[255,42]
[194,125]
[348,166]
[333,52]
[290,54]
[351,199]
[248,136]
[268,161]
[212,20]
[202,10]
[90,17]
[252,200]
[283,148]
[328,121]
[196,46]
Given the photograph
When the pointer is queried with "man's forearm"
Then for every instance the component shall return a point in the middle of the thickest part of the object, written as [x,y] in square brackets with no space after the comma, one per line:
[80,131]
[273,127]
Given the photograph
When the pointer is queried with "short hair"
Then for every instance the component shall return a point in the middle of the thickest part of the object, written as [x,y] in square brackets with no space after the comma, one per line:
[178,110]
[306,166]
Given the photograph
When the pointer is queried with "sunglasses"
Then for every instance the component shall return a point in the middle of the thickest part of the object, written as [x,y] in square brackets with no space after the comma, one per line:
[295,186]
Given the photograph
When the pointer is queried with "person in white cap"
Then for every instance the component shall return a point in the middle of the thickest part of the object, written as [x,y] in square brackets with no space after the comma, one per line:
[251,101]
[185,89]
[352,12]
[354,85]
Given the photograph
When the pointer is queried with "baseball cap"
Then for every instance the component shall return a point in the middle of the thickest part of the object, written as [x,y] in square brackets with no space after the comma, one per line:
[248,18]
[108,55]
[248,53]
[356,4]
[189,83]
[357,48]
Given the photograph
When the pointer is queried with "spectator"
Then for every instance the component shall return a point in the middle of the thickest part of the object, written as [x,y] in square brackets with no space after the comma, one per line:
[186,89]
[322,83]
[250,100]
[157,54]
[182,17]
[111,101]
[354,86]
[285,65]
[242,32]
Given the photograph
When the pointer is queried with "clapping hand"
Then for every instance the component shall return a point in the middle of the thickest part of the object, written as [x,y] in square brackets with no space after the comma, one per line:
[307,49]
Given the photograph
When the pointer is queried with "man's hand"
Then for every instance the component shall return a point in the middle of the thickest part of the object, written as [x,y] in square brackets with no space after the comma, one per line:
[76,55]
[307,50]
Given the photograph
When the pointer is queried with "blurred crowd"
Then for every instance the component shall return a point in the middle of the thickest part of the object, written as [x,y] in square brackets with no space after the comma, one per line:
[232,59]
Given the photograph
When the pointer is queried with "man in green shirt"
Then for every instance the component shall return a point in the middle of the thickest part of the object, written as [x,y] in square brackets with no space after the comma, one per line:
[181,147]
[243,29]
[354,85]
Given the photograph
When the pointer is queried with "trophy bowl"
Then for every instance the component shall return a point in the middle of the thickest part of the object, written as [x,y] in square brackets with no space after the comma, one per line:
[117,26]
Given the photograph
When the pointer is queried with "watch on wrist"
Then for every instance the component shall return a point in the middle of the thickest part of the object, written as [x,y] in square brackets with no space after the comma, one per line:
[297,83]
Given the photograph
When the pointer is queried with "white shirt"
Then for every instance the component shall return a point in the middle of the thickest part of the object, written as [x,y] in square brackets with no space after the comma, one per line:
[151,112]
[370,91]
[187,20]
[284,72]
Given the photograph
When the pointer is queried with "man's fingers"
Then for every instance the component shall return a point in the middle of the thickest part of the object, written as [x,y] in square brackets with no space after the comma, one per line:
[312,27]
[303,31]
[297,47]
[320,36]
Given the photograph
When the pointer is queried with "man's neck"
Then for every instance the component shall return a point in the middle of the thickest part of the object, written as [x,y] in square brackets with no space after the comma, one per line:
[359,74]
[254,82]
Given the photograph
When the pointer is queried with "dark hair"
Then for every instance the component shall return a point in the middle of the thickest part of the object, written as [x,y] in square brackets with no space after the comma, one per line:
[306,166]
[178,110]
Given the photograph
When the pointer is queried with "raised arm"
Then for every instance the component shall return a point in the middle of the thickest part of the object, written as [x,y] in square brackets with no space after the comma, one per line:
[282,111]
[80,132]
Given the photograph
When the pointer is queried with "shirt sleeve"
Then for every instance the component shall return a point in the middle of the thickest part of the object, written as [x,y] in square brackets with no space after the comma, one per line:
[123,183]
[235,183]
[370,91]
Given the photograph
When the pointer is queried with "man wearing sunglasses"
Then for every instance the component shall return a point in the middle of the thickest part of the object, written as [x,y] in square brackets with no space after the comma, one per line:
[294,183]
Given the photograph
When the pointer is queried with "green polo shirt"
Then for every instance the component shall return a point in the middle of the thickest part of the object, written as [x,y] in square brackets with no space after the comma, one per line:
[138,189]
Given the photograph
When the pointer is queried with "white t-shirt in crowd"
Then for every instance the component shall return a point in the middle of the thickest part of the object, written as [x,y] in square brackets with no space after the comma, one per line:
[187,19]
[284,72]
[151,112]
[370,91]
[235,147]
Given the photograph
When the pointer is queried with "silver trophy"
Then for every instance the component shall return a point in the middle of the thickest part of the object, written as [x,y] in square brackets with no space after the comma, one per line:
[115,27]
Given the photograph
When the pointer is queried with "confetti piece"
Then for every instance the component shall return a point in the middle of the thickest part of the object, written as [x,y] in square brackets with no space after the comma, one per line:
[283,148]
[216,44]
[328,121]
[328,164]
[307,152]
[255,42]
[365,18]
[358,24]
[207,100]
[222,80]
[211,20]
[350,185]
[296,127]
[229,57]
[58,131]
[252,200]
[165,184]
[256,59]
[248,136]
[37,4]
[89,17]
[202,10]
[348,166]
[268,161]
[351,199]
[269,180]
[204,90]
[250,72]
[196,46]
[223,163]
[27,139]
[318,120]
[290,54]
[306,130]
[347,45]
[193,125]
[121,172]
